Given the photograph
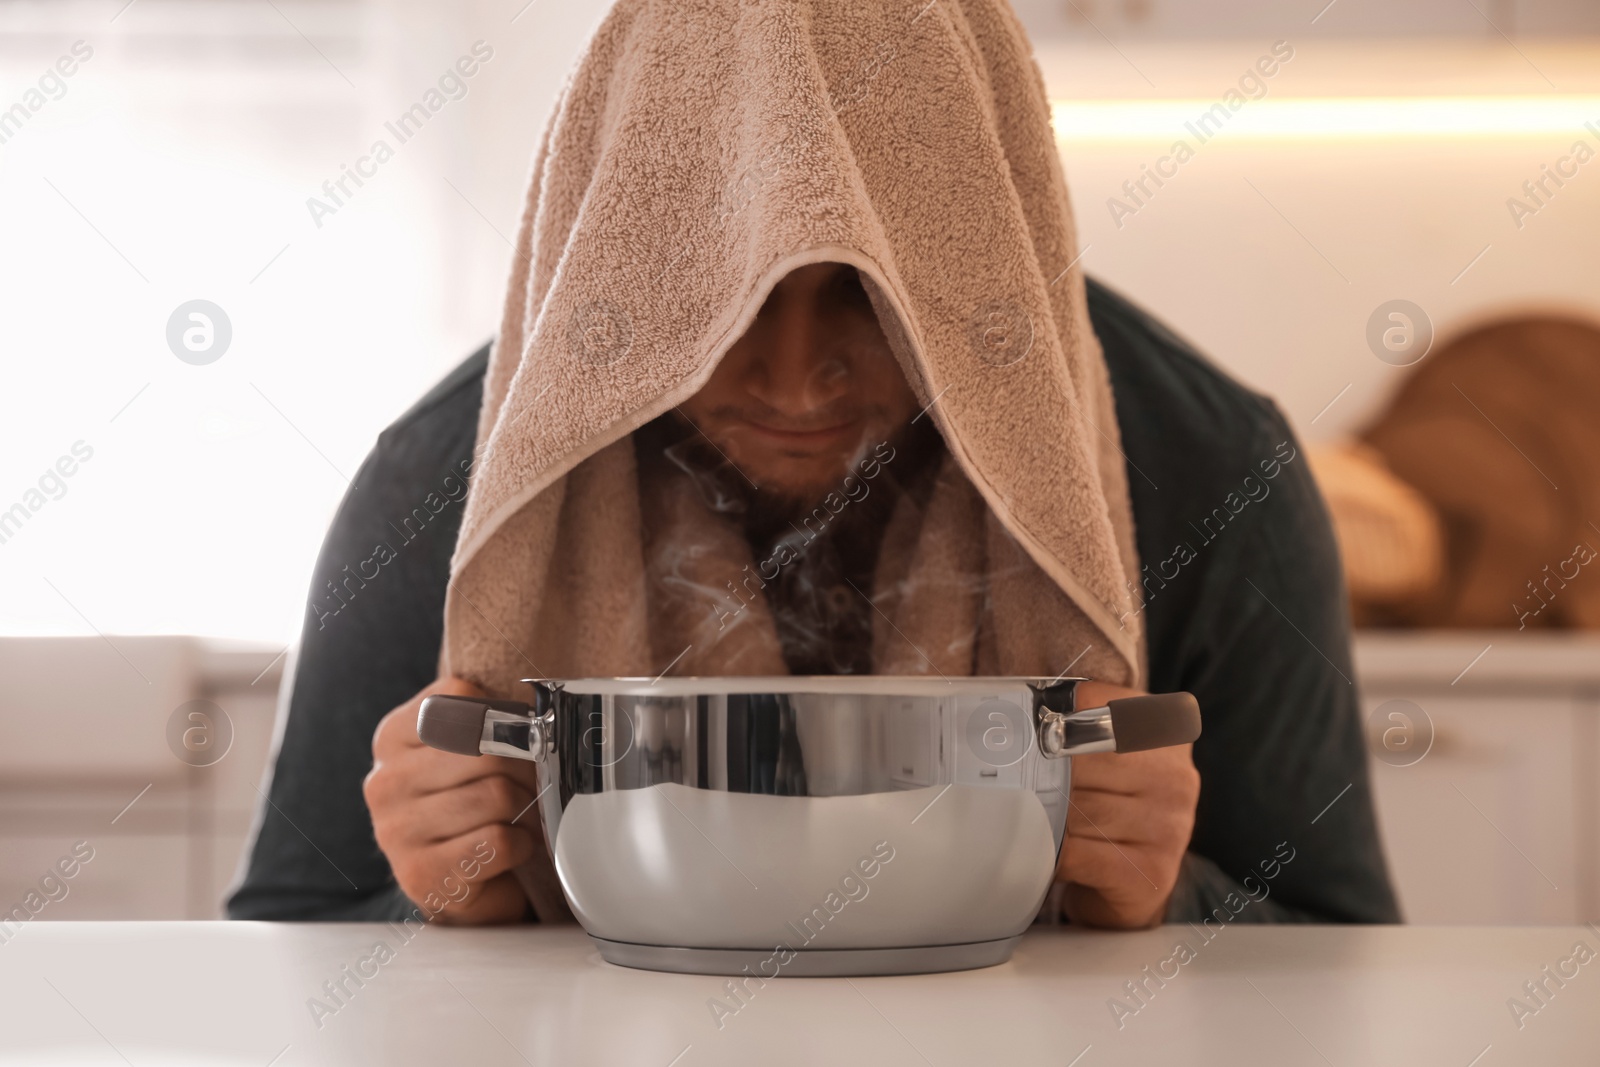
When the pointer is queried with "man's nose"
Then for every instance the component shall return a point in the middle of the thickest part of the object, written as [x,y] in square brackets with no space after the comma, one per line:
[799,372]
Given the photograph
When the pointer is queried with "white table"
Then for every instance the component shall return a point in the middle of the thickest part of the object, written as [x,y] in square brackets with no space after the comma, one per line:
[237,993]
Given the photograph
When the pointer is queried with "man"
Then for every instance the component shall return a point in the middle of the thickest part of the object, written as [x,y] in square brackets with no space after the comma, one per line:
[657,477]
[1281,737]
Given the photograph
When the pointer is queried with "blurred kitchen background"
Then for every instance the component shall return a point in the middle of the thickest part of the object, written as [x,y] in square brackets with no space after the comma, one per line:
[149,598]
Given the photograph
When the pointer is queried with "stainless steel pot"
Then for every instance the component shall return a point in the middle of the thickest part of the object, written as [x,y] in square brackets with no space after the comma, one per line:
[805,825]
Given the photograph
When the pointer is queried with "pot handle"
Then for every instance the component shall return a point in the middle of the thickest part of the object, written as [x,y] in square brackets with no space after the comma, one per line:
[1154,721]
[1131,724]
[473,726]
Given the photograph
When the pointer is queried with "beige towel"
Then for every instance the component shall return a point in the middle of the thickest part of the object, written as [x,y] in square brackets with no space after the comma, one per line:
[699,152]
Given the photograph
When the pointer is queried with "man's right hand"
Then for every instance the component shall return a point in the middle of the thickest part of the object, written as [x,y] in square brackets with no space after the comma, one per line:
[437,816]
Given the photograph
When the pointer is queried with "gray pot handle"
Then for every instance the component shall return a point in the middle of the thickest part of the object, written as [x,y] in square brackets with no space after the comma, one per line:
[473,726]
[1131,724]
[1155,721]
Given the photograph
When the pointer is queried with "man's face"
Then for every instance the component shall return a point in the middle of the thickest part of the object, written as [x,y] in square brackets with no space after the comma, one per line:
[808,388]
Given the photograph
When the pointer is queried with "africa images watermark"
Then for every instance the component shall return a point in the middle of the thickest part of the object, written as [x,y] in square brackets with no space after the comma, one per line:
[854,488]
[51,85]
[853,888]
[338,991]
[1582,554]
[51,485]
[452,85]
[52,889]
[1539,191]
[1142,989]
[1252,85]
[412,526]
[1540,991]
[1251,490]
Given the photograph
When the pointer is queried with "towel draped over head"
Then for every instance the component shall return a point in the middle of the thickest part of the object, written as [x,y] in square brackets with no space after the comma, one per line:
[699,152]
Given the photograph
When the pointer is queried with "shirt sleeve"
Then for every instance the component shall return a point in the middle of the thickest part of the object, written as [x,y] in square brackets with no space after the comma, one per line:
[369,643]
[1285,828]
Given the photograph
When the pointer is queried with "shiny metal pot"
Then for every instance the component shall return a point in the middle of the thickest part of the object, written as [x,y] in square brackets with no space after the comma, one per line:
[805,825]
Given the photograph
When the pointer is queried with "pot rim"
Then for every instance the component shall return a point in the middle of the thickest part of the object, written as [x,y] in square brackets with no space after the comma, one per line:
[875,685]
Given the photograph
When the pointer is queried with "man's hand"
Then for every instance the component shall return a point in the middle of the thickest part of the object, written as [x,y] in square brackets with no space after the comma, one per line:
[1128,826]
[446,822]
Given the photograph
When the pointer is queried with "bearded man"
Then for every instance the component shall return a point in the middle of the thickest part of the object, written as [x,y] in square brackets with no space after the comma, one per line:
[798,374]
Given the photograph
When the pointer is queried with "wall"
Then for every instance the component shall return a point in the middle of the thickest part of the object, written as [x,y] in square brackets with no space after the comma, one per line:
[182,158]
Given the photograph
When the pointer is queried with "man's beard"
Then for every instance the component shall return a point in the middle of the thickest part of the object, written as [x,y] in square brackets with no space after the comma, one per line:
[775,510]
[773,502]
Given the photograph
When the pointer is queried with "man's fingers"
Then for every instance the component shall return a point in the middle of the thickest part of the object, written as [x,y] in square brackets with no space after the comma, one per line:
[524,772]
[483,853]
[1127,820]
[1104,771]
[465,879]
[423,771]
[1129,772]
[400,725]
[443,820]
[1103,864]
[499,900]
[1093,694]
[443,816]
[1108,816]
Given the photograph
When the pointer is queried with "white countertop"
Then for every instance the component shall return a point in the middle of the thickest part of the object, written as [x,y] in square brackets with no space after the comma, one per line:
[238,993]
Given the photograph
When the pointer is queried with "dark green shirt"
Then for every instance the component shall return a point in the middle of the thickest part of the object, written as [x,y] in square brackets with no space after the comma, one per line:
[1244,607]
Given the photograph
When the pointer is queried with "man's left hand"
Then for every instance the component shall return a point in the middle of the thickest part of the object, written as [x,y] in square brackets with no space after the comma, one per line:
[1128,826]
